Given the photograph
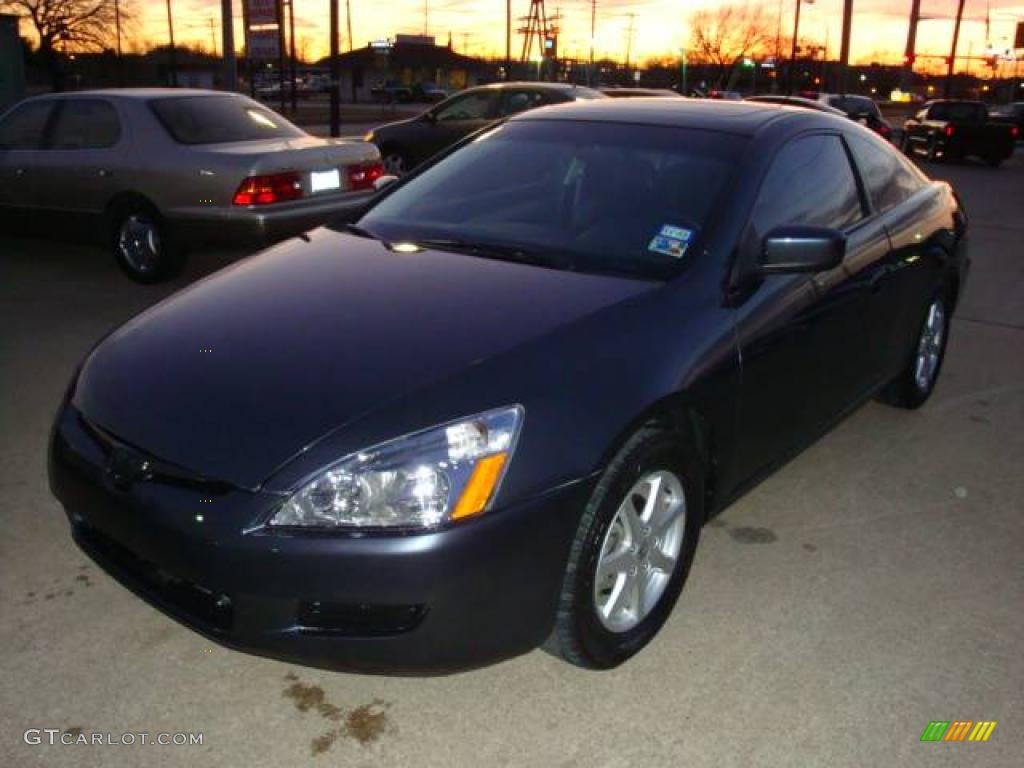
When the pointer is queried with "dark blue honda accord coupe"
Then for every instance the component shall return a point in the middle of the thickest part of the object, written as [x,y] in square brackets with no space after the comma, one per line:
[494,409]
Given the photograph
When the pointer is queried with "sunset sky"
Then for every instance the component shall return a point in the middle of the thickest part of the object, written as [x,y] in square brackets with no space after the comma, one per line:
[477,26]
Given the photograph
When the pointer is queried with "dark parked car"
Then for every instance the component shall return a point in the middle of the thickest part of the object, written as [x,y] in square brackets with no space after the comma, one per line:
[1012,113]
[392,91]
[796,101]
[946,129]
[496,409]
[860,108]
[637,93]
[153,172]
[407,143]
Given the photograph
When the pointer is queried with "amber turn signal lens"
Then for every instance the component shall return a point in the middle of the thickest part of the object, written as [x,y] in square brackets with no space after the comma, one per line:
[480,487]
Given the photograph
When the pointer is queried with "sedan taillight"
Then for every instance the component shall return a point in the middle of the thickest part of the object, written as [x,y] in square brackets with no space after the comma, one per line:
[950,130]
[265,190]
[363,176]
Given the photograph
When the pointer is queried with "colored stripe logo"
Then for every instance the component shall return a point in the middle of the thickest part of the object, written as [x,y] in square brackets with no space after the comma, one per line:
[958,730]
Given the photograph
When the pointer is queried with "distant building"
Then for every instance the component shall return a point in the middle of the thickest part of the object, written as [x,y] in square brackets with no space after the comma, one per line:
[406,62]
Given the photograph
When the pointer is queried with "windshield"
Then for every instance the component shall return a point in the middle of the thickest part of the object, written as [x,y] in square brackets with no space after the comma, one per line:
[593,197]
[220,119]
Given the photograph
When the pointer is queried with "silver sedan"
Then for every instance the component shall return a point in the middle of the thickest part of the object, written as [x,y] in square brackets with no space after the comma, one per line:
[158,171]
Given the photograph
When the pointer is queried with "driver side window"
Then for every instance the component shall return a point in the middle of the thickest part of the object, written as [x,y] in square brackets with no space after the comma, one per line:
[472,106]
[810,182]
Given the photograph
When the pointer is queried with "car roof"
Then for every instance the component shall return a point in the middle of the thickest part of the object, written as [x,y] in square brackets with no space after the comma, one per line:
[534,85]
[796,101]
[738,117]
[143,94]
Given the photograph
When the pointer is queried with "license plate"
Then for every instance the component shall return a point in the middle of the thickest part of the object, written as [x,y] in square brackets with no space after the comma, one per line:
[325,180]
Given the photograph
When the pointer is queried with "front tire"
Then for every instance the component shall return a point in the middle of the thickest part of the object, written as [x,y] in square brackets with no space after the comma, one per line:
[141,244]
[632,552]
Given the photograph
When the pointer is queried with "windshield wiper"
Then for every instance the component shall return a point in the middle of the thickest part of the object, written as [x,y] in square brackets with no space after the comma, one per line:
[500,251]
[355,229]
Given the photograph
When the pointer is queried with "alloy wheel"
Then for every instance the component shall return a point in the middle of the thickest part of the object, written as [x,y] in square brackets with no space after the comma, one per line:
[929,346]
[640,550]
[139,242]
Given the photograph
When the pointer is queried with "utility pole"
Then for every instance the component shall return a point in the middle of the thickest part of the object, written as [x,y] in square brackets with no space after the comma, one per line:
[281,53]
[508,40]
[172,61]
[348,23]
[844,48]
[952,54]
[228,44]
[792,54]
[291,50]
[593,29]
[629,38]
[778,48]
[117,27]
[335,84]
[907,75]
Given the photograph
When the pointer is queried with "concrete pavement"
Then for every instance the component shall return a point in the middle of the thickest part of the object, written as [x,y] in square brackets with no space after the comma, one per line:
[873,585]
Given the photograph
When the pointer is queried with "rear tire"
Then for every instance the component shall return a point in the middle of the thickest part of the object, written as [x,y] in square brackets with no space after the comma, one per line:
[142,246]
[916,382]
[994,162]
[631,556]
[396,162]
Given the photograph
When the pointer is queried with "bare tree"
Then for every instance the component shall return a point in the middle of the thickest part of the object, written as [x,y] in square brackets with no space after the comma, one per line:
[723,36]
[63,26]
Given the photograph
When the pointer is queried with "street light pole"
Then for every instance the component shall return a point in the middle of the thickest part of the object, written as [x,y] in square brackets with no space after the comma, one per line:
[335,75]
[844,49]
[228,35]
[952,54]
[792,54]
[508,39]
[172,61]
[117,26]
[593,29]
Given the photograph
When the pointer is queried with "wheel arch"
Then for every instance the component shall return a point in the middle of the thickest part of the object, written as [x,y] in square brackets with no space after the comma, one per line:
[681,415]
[126,198]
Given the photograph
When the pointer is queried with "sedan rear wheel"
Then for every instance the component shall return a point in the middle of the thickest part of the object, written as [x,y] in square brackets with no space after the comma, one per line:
[141,245]
[632,551]
[916,382]
[395,162]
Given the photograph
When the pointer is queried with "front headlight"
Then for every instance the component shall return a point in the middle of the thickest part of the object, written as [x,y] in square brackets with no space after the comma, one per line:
[421,480]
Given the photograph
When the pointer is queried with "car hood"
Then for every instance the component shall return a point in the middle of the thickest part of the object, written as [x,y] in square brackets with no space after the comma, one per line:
[232,377]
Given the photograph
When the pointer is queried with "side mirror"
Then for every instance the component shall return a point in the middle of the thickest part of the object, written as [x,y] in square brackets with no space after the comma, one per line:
[799,249]
[383,181]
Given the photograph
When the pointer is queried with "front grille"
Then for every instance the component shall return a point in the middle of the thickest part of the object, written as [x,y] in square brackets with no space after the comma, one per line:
[358,619]
[194,603]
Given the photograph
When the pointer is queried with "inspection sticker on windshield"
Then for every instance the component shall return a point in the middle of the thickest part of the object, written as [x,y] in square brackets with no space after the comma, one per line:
[671,241]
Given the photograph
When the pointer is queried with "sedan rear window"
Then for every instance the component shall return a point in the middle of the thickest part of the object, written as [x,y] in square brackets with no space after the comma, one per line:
[586,196]
[220,120]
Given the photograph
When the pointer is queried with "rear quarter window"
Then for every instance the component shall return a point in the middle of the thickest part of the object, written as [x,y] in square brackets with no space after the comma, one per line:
[888,181]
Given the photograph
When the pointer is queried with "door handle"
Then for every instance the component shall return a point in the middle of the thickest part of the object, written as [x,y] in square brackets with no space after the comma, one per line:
[19,171]
[104,173]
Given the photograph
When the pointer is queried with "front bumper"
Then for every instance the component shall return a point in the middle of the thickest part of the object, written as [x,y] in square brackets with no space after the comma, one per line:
[467,595]
[253,226]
